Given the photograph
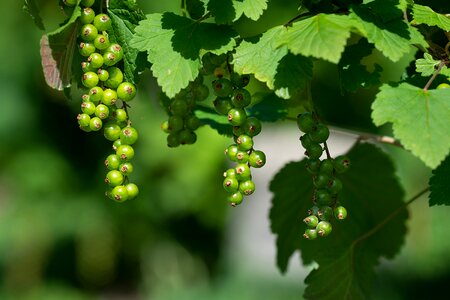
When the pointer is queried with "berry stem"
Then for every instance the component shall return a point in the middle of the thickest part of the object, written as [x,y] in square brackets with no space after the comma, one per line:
[427,86]
[297,17]
[327,151]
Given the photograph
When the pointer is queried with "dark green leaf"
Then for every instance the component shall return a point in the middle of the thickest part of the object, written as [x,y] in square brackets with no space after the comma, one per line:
[218,122]
[269,107]
[222,10]
[32,9]
[375,226]
[195,8]
[293,71]
[440,184]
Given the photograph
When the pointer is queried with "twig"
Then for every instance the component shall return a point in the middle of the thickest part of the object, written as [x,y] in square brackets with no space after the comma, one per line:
[427,86]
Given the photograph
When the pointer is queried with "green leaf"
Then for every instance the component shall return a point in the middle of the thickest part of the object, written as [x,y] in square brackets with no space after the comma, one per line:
[381,22]
[348,256]
[269,108]
[173,44]
[57,50]
[123,23]
[222,10]
[426,65]
[352,73]
[252,9]
[209,116]
[419,119]
[195,8]
[440,185]
[425,15]
[322,36]
[32,9]
[261,58]
[293,72]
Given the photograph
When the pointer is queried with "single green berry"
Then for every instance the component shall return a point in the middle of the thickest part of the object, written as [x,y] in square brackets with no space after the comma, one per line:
[88,32]
[192,122]
[314,151]
[96,94]
[320,133]
[95,124]
[133,191]
[322,197]
[311,221]
[341,163]
[179,107]
[324,228]
[86,49]
[222,87]
[327,167]
[109,97]
[201,92]
[101,42]
[117,50]
[120,114]
[306,140]
[306,122]
[235,198]
[239,81]
[129,135]
[340,213]
[241,98]
[102,111]
[176,123]
[313,210]
[86,67]
[230,173]
[222,105]
[242,157]
[116,144]
[125,152]
[90,79]
[237,116]
[102,22]
[115,78]
[102,74]
[87,15]
[173,140]
[325,213]
[257,159]
[242,172]
[310,234]
[87,3]
[187,137]
[126,168]
[238,130]
[70,2]
[83,120]
[247,187]
[252,126]
[231,152]
[313,166]
[114,178]
[110,59]
[88,108]
[120,193]
[334,186]
[112,162]
[231,184]
[111,131]
[320,180]
[244,142]
[126,91]
[443,86]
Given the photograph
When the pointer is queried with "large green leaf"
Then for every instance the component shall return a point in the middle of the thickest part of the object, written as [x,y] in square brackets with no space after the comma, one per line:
[375,226]
[440,184]
[425,15]
[293,71]
[32,9]
[252,9]
[420,119]
[322,36]
[173,44]
[222,10]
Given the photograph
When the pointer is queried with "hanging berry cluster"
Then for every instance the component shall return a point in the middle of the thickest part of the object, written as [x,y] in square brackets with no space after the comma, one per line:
[104,106]
[326,184]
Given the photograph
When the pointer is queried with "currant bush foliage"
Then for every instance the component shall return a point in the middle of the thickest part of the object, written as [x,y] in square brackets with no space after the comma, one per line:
[186,51]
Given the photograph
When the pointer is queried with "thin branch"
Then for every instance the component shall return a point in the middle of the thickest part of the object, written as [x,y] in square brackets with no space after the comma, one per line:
[381,139]
[297,17]
[427,86]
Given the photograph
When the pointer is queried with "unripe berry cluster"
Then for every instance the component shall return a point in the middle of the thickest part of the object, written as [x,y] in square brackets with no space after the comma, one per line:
[324,173]
[231,100]
[104,106]
[182,122]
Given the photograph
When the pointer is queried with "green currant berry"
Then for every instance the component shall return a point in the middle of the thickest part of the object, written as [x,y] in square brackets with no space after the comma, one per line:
[102,22]
[323,228]
[327,167]
[125,152]
[241,98]
[257,159]
[322,197]
[244,142]
[120,193]
[96,60]
[320,180]
[95,124]
[229,173]
[310,234]
[101,42]
[85,98]
[83,120]
[86,49]
[201,92]
[179,107]
[115,77]
[117,50]
[222,105]
[334,186]
[102,74]
[110,59]
[238,130]
[133,191]
[70,2]
[231,184]
[242,172]
[320,133]
[109,97]
[96,94]
[252,126]
[90,79]
[187,137]
[87,3]
[111,131]
[313,211]
[314,151]
[86,67]
[313,166]
[306,122]
[247,187]
[116,144]
[126,168]
[231,152]
[222,87]
[443,86]
[112,162]
[340,213]
[129,135]
[88,108]
[325,213]
[102,111]
[87,15]
[311,221]
[235,198]
[237,116]
[239,81]
[114,178]
[218,59]
[306,140]
[341,163]
[242,157]
[192,122]
[120,114]
[176,123]
[88,32]
[126,91]
[173,140]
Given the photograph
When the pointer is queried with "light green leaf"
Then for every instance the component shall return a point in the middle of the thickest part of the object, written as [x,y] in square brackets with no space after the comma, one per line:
[440,184]
[425,15]
[322,36]
[262,57]
[346,257]
[420,119]
[426,65]
[252,9]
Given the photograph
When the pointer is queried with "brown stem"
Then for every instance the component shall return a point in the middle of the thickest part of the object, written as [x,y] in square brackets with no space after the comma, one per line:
[427,86]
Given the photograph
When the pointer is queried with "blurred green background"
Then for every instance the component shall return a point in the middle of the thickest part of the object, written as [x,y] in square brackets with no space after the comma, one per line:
[60,238]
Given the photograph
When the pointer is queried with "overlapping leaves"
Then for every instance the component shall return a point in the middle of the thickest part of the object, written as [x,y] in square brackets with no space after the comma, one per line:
[348,256]
[440,184]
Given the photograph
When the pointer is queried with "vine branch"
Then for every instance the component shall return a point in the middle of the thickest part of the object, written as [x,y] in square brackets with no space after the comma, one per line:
[427,86]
